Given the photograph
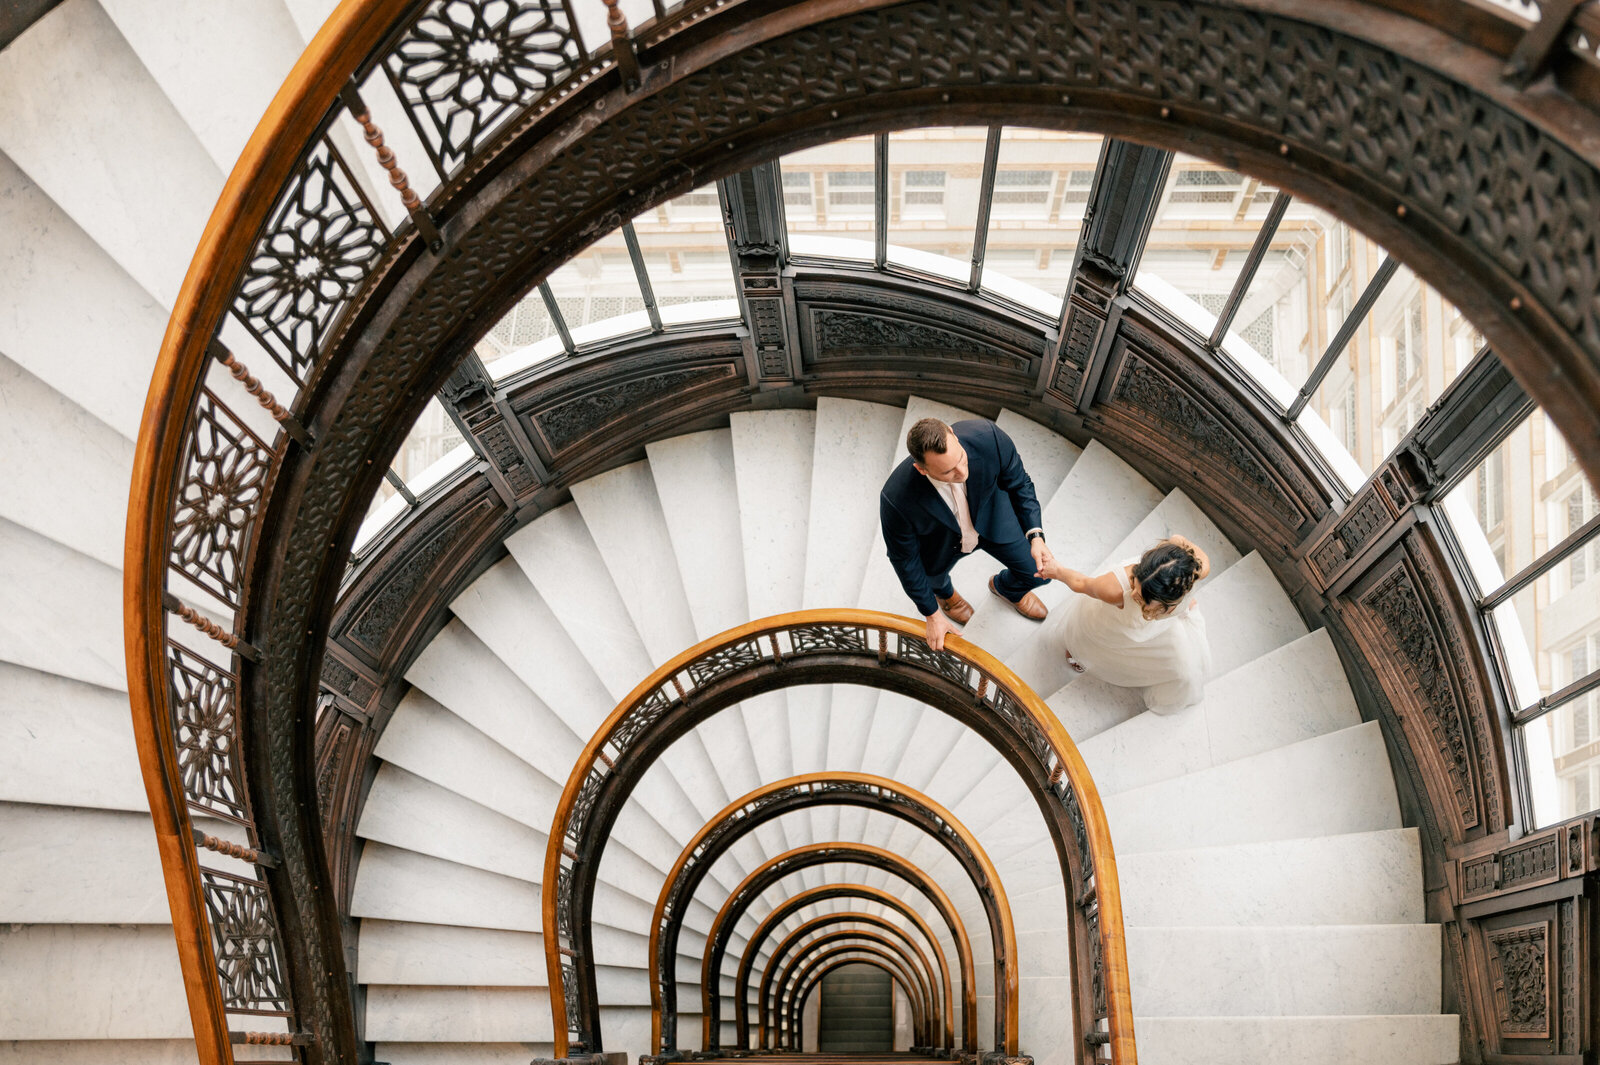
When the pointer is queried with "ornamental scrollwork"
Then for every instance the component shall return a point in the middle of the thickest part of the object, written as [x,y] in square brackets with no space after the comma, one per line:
[917,652]
[205,729]
[725,660]
[224,478]
[817,639]
[246,944]
[466,66]
[320,244]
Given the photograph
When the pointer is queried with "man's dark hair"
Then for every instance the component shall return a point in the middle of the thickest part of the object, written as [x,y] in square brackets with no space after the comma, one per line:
[927,435]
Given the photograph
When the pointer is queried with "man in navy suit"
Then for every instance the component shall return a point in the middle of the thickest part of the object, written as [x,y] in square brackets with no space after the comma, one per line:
[962,488]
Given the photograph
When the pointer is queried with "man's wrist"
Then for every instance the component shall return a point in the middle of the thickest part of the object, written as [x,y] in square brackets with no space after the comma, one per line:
[1034,534]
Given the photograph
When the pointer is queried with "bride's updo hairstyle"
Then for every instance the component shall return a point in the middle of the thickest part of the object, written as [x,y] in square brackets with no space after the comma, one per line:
[1165,574]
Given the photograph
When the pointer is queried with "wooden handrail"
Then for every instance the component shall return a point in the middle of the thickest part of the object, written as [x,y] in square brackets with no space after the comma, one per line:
[351,33]
[1111,943]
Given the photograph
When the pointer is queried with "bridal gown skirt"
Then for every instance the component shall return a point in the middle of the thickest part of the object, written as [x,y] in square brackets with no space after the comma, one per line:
[1168,659]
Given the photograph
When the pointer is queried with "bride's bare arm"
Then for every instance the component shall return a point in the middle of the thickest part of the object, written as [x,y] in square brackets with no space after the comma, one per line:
[1104,587]
[1200,556]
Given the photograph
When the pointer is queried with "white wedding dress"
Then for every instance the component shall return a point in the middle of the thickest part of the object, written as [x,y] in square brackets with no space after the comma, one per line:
[1168,658]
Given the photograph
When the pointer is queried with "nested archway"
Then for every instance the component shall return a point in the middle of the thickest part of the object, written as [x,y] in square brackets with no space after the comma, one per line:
[841,646]
[937,1007]
[823,894]
[852,956]
[770,801]
[924,1004]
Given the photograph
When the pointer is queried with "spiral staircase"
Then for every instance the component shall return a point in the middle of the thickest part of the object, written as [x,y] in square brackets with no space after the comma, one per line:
[1274,901]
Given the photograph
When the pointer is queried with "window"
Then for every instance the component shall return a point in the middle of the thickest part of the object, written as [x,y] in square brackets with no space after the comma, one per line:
[698,206]
[850,194]
[922,194]
[935,178]
[1022,193]
[1578,507]
[799,198]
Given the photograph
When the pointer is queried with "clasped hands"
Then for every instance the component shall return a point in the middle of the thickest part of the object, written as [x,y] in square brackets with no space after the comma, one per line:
[940,626]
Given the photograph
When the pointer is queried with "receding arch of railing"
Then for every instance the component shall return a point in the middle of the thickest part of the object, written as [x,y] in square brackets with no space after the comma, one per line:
[841,646]
[811,897]
[769,801]
[852,956]
[928,1006]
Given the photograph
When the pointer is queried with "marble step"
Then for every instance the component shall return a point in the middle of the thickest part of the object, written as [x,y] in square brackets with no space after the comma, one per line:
[1047,456]
[1336,783]
[773,453]
[103,175]
[126,1052]
[433,1053]
[91,982]
[1293,693]
[1285,972]
[220,68]
[73,866]
[1364,878]
[694,479]
[1101,500]
[60,611]
[79,300]
[67,472]
[398,953]
[48,723]
[1398,1039]
[855,442]
[625,518]
[400,885]
[458,1014]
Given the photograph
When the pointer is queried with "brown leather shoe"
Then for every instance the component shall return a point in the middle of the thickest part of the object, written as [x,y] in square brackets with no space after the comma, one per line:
[1029,606]
[956,608]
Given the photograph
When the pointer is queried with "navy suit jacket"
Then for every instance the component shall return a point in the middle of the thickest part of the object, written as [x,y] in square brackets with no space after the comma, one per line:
[920,530]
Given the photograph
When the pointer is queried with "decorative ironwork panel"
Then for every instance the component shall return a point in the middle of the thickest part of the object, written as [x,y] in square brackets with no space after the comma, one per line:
[823,638]
[917,652]
[223,480]
[246,942]
[1080,832]
[319,246]
[205,729]
[584,803]
[725,660]
[1022,723]
[569,992]
[564,915]
[468,65]
[639,719]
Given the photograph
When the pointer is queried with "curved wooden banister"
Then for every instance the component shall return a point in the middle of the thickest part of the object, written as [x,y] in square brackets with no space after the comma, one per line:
[873,647]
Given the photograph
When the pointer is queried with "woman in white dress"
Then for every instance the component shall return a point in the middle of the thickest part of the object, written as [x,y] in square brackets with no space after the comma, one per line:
[1137,627]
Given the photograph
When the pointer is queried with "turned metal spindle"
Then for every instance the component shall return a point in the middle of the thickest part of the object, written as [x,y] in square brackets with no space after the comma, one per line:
[228,847]
[270,1039]
[209,627]
[252,385]
[397,177]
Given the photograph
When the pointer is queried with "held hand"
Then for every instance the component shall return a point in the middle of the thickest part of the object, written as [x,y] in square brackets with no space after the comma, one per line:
[938,627]
[1042,558]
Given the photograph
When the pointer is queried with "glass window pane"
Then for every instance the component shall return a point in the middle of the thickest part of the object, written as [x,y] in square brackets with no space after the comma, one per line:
[1041,190]
[1401,357]
[935,181]
[1204,227]
[1563,749]
[828,200]
[598,292]
[1550,627]
[686,258]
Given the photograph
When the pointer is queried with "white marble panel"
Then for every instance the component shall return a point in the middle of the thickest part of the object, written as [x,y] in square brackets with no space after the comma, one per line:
[624,516]
[1087,707]
[854,443]
[60,611]
[1271,972]
[105,175]
[618,985]
[1355,878]
[91,982]
[399,885]
[404,810]
[695,481]
[1331,784]
[458,1014]
[66,866]
[393,952]
[561,559]
[66,743]
[1046,455]
[1406,1039]
[66,472]
[772,457]
[1247,614]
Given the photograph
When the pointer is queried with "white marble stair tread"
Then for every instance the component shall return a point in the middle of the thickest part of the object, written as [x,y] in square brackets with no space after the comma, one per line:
[1176,513]
[694,477]
[1101,500]
[67,472]
[1247,614]
[1396,1039]
[400,885]
[624,517]
[60,611]
[508,616]
[69,866]
[407,811]
[128,1052]
[854,442]
[1339,782]
[104,175]
[220,68]
[433,1053]
[1354,878]
[562,561]
[84,981]
[1087,707]
[1285,971]
[1292,693]
[400,953]
[458,1014]
[47,722]
[1046,455]
[772,456]
[81,301]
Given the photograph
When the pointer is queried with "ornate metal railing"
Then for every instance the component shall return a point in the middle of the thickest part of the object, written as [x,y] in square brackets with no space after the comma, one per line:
[865,647]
